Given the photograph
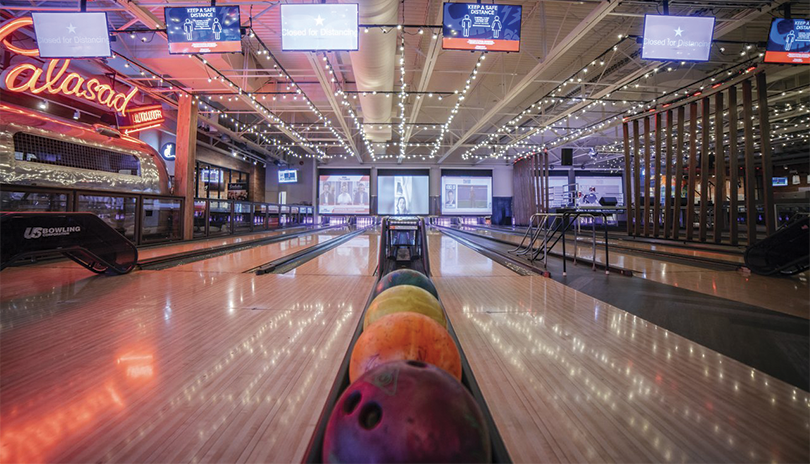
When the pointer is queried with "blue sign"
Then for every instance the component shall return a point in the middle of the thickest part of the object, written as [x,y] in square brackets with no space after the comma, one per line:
[789,41]
[72,35]
[167,151]
[678,38]
[479,26]
[316,27]
[213,29]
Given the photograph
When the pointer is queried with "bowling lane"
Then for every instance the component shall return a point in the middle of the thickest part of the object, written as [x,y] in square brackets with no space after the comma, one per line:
[169,367]
[787,295]
[357,257]
[570,378]
[448,257]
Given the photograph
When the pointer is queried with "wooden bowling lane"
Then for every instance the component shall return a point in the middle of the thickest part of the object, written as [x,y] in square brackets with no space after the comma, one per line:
[787,295]
[569,378]
[357,257]
[448,257]
[174,367]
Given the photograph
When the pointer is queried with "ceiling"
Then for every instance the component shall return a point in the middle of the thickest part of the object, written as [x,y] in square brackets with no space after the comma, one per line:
[459,108]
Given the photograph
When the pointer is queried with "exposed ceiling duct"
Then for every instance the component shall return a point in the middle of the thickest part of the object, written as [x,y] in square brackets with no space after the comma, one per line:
[374,67]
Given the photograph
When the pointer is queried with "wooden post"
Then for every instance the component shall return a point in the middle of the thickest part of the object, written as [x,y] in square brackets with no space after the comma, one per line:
[704,169]
[668,181]
[750,170]
[690,193]
[719,169]
[765,145]
[545,157]
[733,169]
[185,161]
[636,180]
[676,219]
[628,205]
[657,184]
[647,175]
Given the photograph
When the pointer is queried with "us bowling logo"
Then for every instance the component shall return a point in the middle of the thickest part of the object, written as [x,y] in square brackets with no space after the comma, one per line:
[55,79]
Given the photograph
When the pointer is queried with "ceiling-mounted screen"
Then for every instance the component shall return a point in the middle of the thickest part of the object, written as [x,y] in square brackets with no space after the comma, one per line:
[343,194]
[402,195]
[72,35]
[289,176]
[480,26]
[319,27]
[681,38]
[466,195]
[591,188]
[210,29]
[789,41]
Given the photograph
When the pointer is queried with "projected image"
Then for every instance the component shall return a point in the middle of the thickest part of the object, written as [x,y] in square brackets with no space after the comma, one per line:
[590,189]
[466,195]
[402,195]
[559,192]
[339,194]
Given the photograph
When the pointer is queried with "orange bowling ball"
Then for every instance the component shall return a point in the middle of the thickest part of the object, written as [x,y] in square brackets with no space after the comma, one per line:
[404,336]
[404,298]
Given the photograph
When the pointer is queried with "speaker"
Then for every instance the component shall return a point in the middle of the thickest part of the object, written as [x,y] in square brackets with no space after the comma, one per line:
[567,156]
[608,201]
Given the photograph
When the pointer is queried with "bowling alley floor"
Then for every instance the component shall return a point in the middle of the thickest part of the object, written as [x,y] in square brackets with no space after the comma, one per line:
[206,363]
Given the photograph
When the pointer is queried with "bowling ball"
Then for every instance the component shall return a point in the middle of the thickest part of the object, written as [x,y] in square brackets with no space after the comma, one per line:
[404,298]
[404,336]
[405,277]
[406,411]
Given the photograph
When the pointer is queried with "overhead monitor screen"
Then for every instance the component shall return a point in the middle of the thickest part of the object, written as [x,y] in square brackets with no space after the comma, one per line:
[400,195]
[319,27]
[466,195]
[209,29]
[780,181]
[590,189]
[682,38]
[72,35]
[339,194]
[789,41]
[480,26]
[289,176]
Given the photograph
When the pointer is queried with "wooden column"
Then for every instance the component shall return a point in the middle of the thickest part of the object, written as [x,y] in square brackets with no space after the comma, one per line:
[733,169]
[704,169]
[719,169]
[657,183]
[647,176]
[690,193]
[545,158]
[750,170]
[186,152]
[668,181]
[678,179]
[765,145]
[628,205]
[636,180]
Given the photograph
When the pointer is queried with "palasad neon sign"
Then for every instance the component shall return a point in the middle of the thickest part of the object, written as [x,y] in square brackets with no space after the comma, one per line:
[56,78]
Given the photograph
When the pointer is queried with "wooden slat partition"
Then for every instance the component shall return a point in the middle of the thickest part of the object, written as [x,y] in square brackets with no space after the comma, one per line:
[679,177]
[750,179]
[733,169]
[628,203]
[657,196]
[704,168]
[647,176]
[545,157]
[535,187]
[719,169]
[636,179]
[668,181]
[690,195]
[765,146]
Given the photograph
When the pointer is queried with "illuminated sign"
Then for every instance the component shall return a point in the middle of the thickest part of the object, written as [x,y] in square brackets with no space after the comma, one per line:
[682,38]
[168,151]
[72,35]
[141,118]
[478,26]
[789,41]
[214,29]
[288,177]
[310,27]
[26,77]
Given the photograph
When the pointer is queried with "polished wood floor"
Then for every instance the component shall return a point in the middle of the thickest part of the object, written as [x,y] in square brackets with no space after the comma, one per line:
[204,363]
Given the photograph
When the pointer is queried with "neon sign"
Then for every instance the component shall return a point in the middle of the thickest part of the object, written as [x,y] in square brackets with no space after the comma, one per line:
[141,118]
[26,77]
